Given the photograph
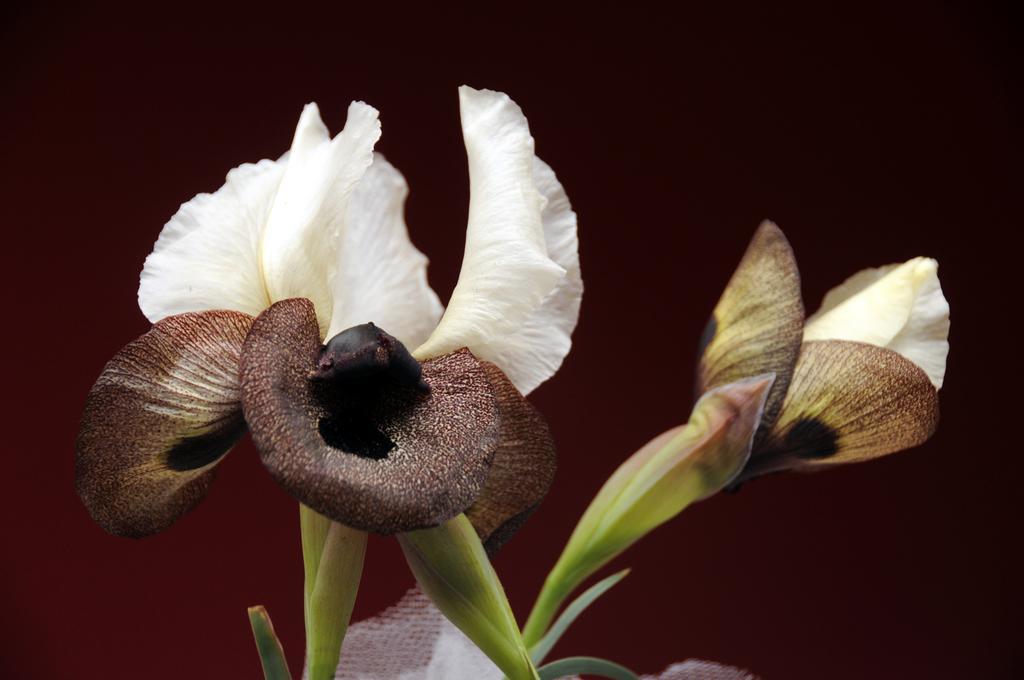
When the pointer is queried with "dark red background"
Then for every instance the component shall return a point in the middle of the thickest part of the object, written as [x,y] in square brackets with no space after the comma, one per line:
[870,134]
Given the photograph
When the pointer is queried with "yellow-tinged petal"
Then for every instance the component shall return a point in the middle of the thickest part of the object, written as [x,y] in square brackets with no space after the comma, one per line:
[848,402]
[899,306]
[758,322]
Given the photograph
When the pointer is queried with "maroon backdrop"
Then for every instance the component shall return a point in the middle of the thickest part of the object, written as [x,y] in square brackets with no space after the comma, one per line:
[870,134]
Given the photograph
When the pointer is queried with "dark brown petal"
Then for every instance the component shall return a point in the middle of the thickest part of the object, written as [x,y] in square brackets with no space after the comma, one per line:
[757,325]
[522,470]
[408,460]
[163,412]
[848,402]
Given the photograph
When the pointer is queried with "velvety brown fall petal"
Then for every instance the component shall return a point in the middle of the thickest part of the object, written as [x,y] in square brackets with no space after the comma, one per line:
[848,402]
[757,325]
[522,470]
[163,412]
[396,459]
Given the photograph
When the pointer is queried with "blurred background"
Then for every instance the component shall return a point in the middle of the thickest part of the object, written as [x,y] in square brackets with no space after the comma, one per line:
[870,133]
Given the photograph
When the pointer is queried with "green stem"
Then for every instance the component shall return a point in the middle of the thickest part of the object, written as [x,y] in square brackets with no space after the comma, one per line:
[452,568]
[554,593]
[333,559]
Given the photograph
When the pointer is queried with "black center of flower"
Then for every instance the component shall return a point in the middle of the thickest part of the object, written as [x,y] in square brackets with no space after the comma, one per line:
[364,379]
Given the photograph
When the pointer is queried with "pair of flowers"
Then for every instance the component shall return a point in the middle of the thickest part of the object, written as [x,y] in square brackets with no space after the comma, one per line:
[287,303]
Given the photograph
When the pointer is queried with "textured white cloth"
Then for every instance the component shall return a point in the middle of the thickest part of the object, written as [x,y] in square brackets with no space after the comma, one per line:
[411,640]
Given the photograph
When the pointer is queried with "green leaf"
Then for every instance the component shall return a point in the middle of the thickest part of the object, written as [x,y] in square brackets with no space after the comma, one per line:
[452,568]
[673,470]
[333,559]
[566,619]
[579,665]
[275,667]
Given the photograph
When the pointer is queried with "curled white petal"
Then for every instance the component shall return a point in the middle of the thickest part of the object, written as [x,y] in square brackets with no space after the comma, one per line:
[381,277]
[518,293]
[305,224]
[208,254]
[899,306]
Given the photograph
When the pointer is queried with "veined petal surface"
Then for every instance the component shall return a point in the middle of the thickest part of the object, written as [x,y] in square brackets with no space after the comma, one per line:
[306,224]
[848,402]
[507,269]
[381,277]
[208,254]
[899,306]
[757,324]
[521,471]
[163,412]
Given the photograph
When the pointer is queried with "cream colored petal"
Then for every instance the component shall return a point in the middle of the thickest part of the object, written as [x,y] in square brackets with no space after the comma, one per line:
[207,256]
[507,272]
[900,307]
[381,276]
[537,348]
[305,226]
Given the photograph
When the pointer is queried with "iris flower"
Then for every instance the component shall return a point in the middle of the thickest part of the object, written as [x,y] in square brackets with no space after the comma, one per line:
[290,302]
[857,380]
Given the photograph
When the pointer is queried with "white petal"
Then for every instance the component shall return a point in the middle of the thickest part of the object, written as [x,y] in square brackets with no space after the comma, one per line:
[537,348]
[303,232]
[207,256]
[381,277]
[507,271]
[411,641]
[900,307]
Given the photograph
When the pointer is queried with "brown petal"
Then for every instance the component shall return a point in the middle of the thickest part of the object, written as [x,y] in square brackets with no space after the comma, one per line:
[163,412]
[435,447]
[848,402]
[522,470]
[757,325]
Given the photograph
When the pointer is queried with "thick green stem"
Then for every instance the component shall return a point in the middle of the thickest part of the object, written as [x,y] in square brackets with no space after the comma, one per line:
[333,558]
[452,568]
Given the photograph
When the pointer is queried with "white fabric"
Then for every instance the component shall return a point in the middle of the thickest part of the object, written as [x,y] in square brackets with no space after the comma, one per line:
[899,306]
[412,640]
[518,295]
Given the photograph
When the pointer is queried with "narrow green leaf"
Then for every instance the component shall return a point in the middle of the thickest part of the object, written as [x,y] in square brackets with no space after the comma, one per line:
[579,665]
[570,614]
[271,653]
[452,568]
[333,558]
